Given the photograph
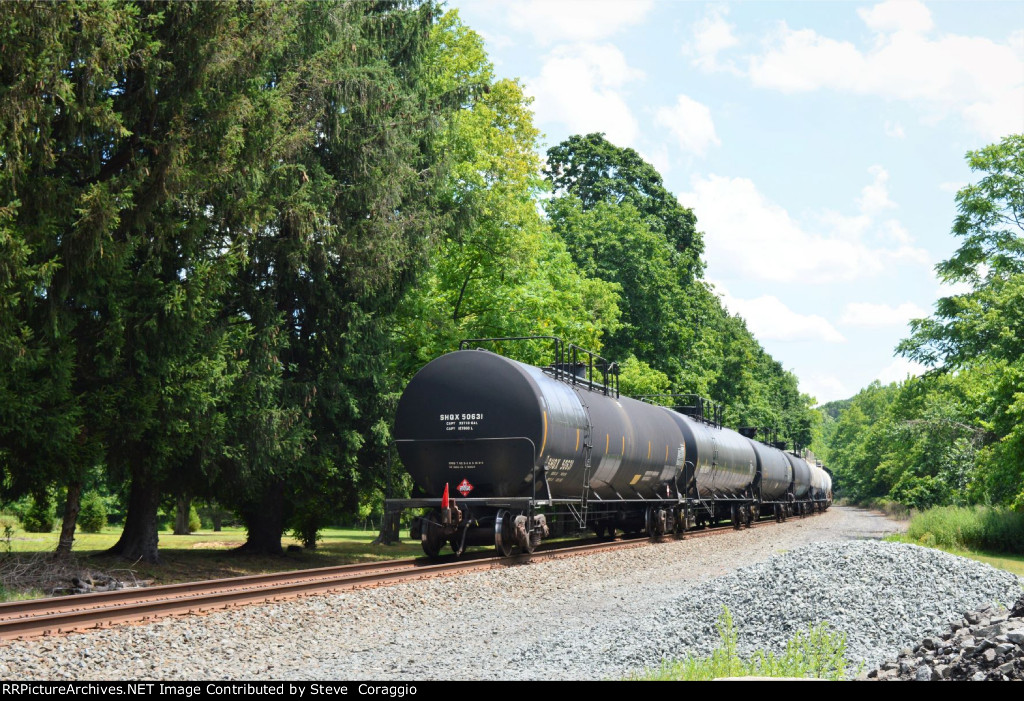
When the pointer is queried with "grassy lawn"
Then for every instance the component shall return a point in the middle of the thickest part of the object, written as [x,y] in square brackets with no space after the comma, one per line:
[1002,561]
[202,555]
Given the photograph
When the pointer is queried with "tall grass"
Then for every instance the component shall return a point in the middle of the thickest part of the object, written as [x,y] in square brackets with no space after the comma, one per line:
[818,653]
[969,528]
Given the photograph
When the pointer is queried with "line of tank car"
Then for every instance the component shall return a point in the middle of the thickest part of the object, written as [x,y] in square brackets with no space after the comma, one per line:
[504,453]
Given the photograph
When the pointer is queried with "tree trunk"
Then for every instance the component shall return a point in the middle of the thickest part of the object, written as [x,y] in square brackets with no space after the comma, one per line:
[67,528]
[184,507]
[264,522]
[216,517]
[389,529]
[139,538]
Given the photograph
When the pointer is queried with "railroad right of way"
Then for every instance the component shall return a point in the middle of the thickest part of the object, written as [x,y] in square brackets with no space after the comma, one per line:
[594,617]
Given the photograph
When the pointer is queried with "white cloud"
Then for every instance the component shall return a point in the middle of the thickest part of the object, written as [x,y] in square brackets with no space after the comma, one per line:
[496,40]
[756,238]
[898,369]
[894,130]
[875,196]
[978,78]
[711,35]
[580,85]
[897,16]
[690,123]
[574,20]
[867,314]
[1016,40]
[892,230]
[769,319]
[824,388]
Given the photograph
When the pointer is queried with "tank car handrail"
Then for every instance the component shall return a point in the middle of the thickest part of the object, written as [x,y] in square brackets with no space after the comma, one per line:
[702,409]
[567,361]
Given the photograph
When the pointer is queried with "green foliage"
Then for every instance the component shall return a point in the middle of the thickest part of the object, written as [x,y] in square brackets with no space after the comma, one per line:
[194,522]
[970,528]
[638,379]
[955,436]
[817,653]
[620,225]
[9,522]
[892,509]
[595,171]
[92,517]
[916,442]
[40,516]
[498,270]
[229,232]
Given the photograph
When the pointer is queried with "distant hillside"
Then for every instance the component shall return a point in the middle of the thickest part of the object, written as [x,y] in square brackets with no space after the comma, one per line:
[833,409]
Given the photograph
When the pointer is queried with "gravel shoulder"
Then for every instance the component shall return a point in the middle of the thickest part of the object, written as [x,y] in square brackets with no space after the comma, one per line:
[591,617]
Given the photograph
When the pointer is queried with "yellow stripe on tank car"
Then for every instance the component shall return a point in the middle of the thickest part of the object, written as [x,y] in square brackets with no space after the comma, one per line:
[666,454]
[577,440]
[623,446]
[544,439]
[636,478]
[607,437]
[648,450]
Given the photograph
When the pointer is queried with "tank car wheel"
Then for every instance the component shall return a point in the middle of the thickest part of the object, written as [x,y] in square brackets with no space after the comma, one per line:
[654,522]
[680,525]
[431,535]
[524,535]
[604,531]
[504,533]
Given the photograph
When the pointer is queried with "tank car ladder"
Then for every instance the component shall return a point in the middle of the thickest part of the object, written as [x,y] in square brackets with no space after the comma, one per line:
[588,449]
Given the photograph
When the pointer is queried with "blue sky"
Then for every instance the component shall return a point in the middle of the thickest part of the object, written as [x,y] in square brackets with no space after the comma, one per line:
[820,145]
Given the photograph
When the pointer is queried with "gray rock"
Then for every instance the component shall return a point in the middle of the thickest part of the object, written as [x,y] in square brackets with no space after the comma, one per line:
[923,674]
[990,631]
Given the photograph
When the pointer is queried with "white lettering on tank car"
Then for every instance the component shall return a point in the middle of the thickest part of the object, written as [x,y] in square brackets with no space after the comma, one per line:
[462,421]
[465,464]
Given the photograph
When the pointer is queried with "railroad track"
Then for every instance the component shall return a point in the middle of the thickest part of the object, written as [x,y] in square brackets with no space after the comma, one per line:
[62,615]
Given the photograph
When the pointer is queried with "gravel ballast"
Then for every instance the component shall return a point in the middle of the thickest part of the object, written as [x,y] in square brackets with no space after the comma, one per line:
[593,617]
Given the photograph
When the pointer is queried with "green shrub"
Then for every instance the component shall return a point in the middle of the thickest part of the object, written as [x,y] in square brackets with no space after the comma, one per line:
[92,517]
[818,653]
[893,509]
[40,516]
[194,522]
[9,521]
[969,528]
